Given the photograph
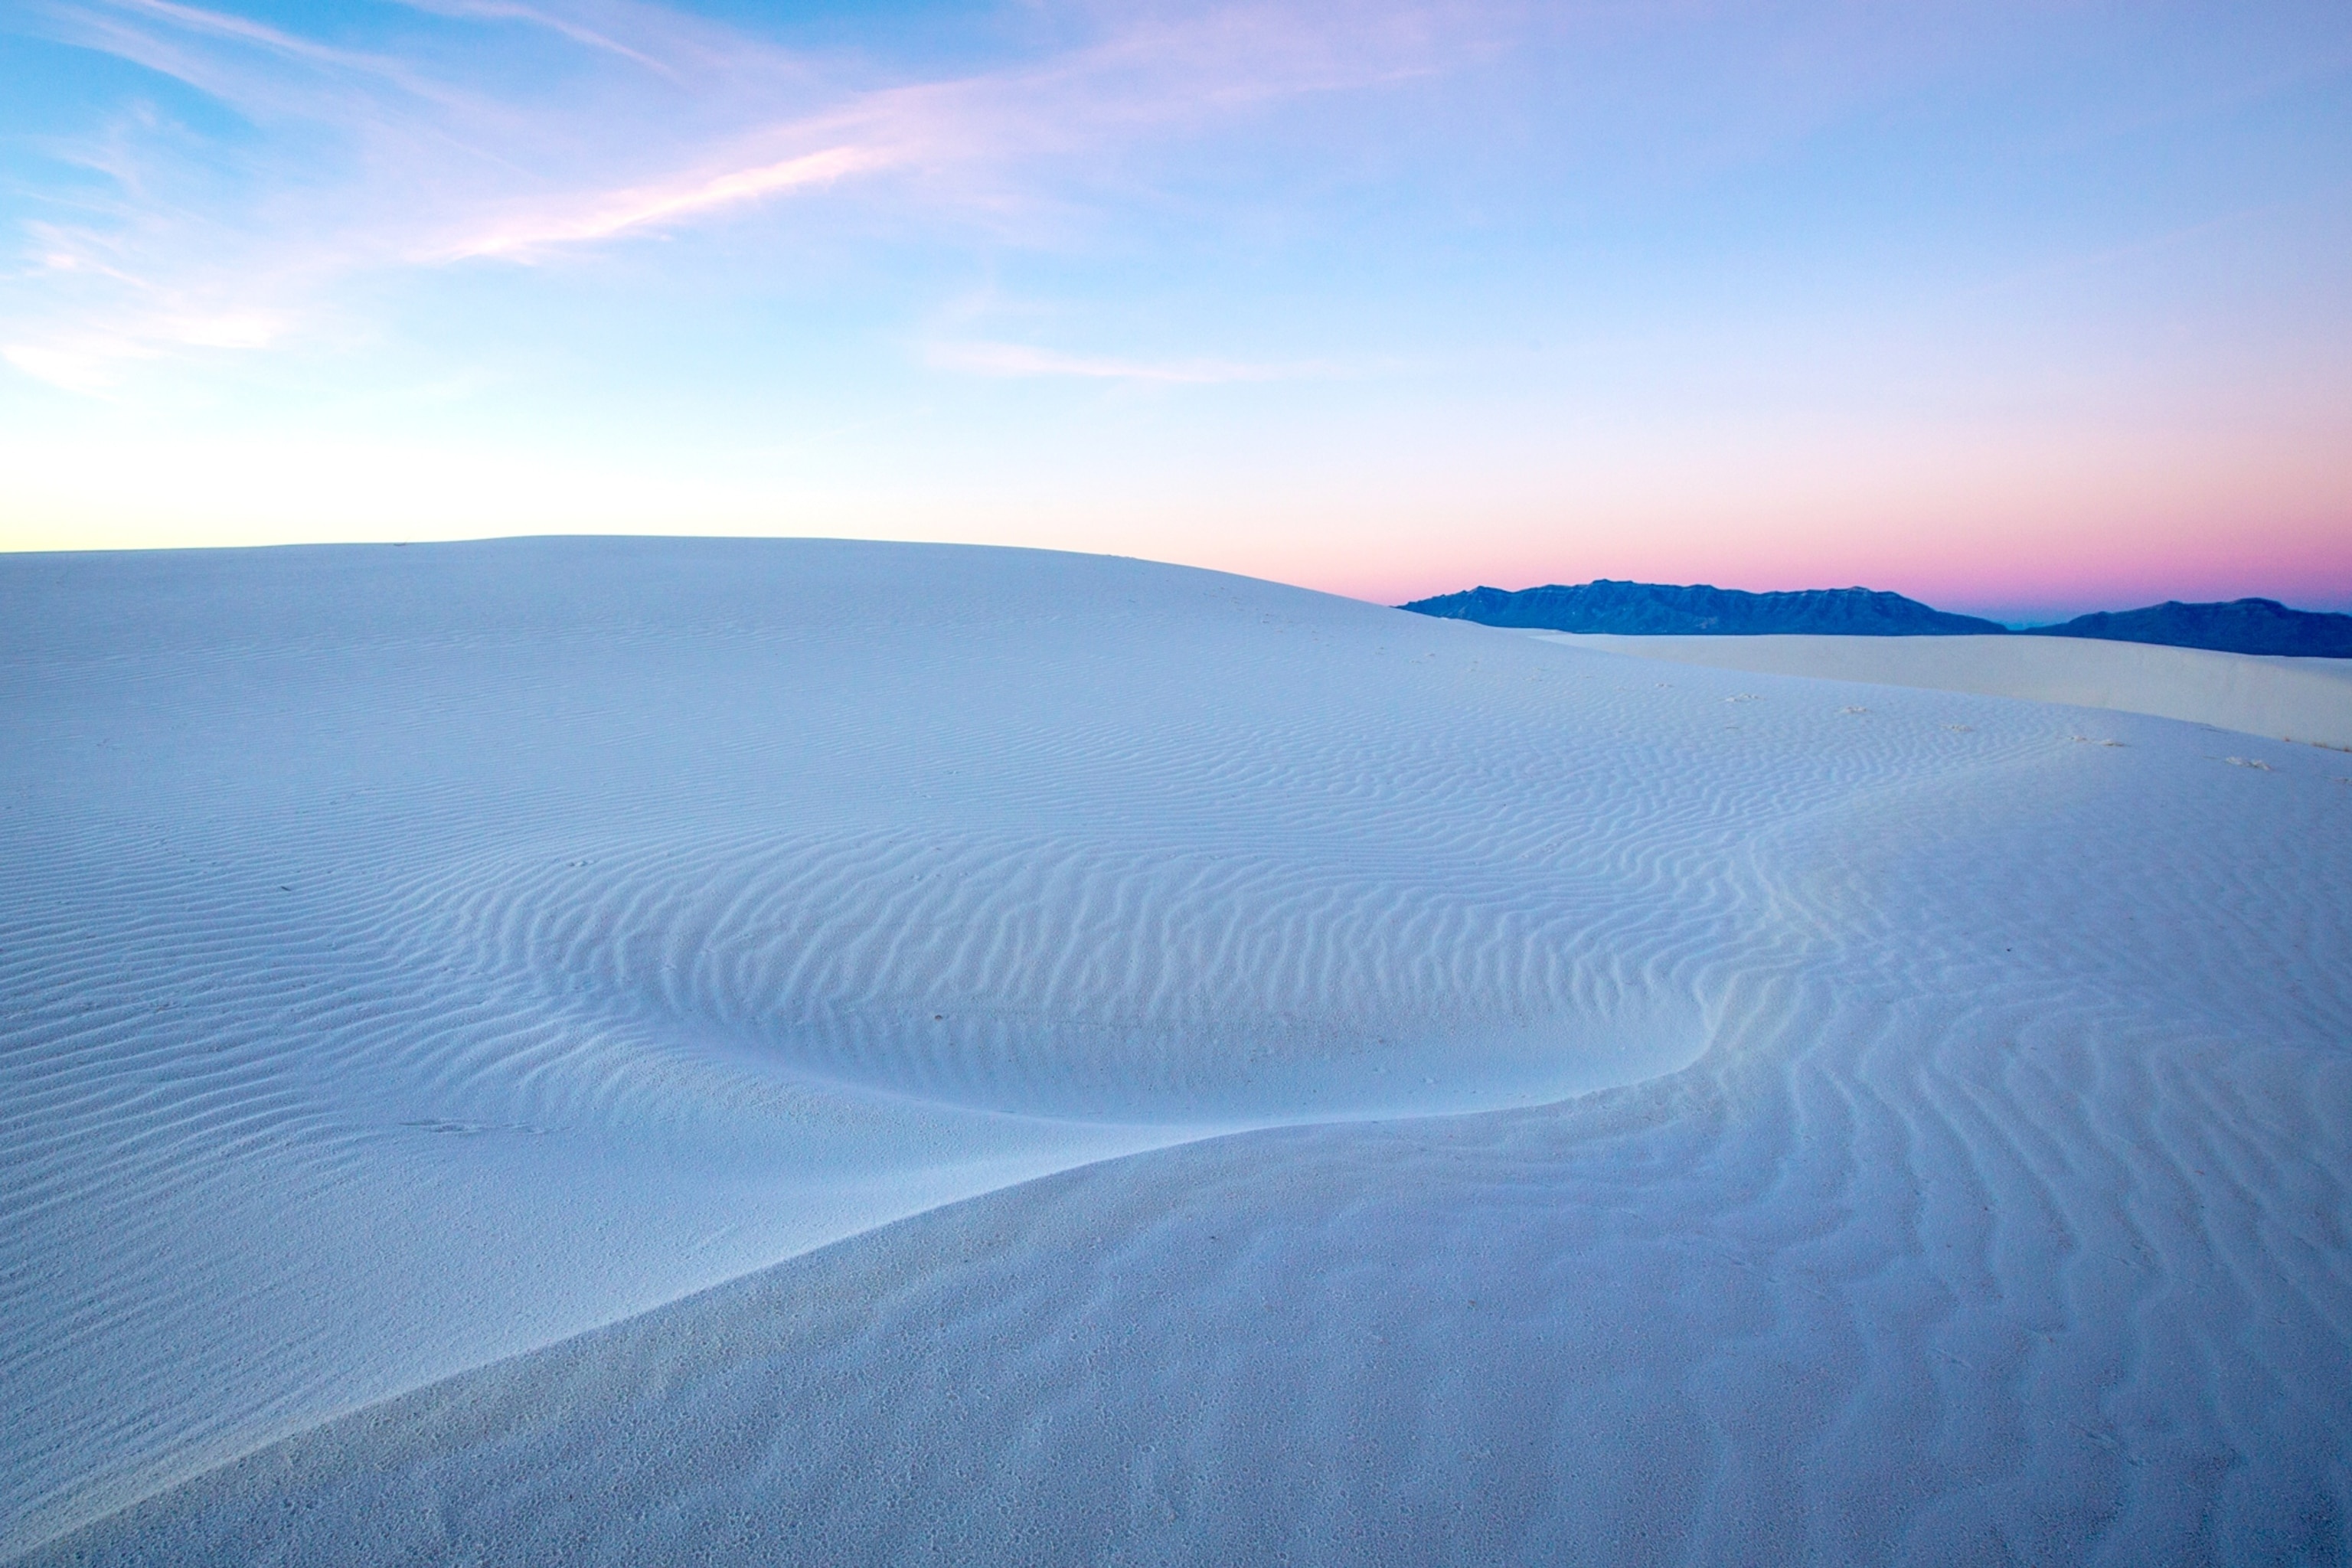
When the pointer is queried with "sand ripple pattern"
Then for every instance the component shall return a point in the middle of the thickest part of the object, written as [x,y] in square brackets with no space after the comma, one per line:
[1656,1116]
[1087,977]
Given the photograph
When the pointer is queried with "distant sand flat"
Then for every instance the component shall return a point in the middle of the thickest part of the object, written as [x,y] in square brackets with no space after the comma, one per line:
[622,1050]
[2295,698]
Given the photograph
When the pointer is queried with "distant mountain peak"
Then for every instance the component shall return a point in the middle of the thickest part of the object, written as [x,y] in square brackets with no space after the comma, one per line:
[1661,609]
[1651,609]
[2236,625]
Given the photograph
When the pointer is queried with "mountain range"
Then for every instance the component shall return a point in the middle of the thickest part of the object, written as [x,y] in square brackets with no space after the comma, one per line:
[2240,626]
[1657,610]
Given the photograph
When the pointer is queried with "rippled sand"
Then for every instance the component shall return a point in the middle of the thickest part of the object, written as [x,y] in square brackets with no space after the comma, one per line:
[633,1051]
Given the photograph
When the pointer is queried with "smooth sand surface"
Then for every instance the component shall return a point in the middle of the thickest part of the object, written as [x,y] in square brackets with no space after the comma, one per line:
[2286,699]
[621,1050]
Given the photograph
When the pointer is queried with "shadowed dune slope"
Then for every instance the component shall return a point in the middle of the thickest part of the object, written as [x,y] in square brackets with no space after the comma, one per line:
[627,1050]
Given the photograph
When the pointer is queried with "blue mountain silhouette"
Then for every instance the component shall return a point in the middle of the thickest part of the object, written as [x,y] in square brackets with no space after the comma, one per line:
[1661,609]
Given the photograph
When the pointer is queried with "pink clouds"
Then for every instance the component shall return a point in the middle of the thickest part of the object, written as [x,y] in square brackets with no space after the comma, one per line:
[595,124]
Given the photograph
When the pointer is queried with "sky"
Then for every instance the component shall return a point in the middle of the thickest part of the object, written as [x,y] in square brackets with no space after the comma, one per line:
[2020,309]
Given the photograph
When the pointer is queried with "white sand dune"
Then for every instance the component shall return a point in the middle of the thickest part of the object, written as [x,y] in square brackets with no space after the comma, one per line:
[2287,699]
[633,1050]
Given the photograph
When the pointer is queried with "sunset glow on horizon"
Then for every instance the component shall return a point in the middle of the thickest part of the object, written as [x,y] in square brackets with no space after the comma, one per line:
[2022,310]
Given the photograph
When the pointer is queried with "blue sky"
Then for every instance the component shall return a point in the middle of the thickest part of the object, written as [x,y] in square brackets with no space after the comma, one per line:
[2020,308]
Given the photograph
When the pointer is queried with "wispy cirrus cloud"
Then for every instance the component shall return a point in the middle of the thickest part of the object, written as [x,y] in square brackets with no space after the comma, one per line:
[607,214]
[197,22]
[554,22]
[492,130]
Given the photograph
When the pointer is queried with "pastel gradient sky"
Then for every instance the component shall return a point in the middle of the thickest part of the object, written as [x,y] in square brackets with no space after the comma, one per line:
[2022,308]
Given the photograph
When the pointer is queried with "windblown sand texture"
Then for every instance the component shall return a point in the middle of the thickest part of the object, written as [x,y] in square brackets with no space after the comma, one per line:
[633,1051]
[2307,700]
